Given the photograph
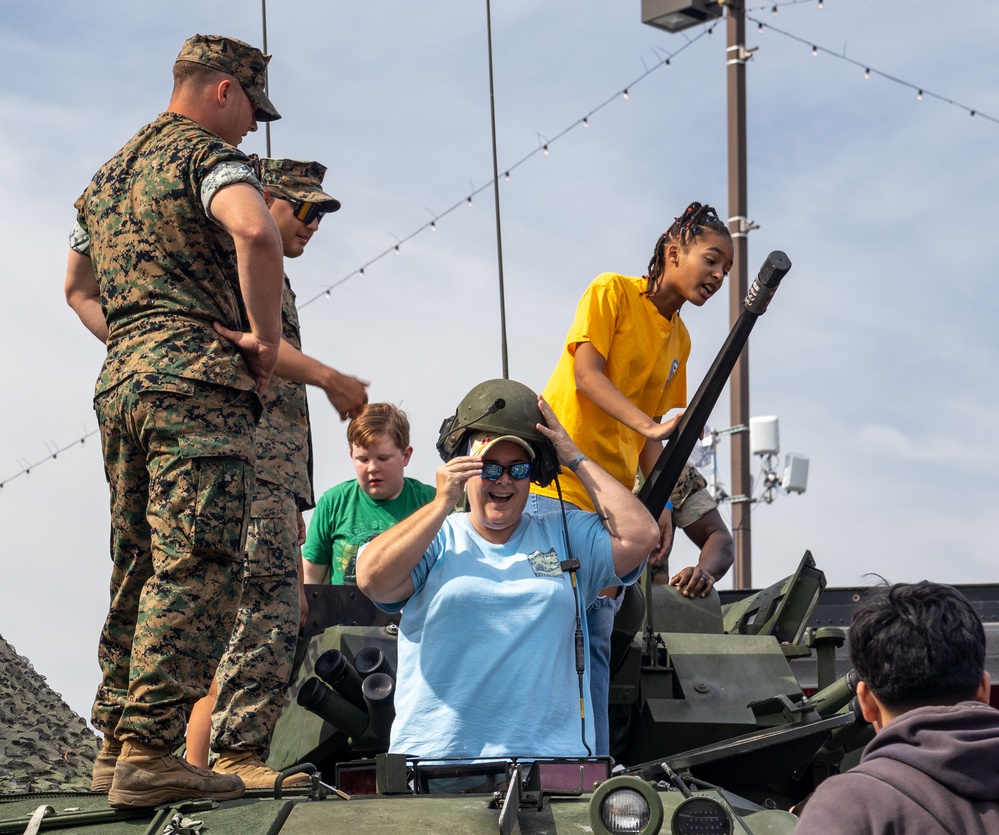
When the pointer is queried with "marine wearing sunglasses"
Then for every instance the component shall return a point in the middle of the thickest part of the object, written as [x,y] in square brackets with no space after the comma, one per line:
[305,210]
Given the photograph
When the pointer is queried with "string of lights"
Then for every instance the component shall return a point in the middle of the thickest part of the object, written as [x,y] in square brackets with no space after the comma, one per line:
[543,148]
[544,144]
[869,70]
[773,7]
[27,468]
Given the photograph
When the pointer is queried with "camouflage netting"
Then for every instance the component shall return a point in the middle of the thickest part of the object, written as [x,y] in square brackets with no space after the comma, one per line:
[44,745]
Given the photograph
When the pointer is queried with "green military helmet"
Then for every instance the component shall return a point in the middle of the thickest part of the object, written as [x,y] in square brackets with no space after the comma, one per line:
[504,407]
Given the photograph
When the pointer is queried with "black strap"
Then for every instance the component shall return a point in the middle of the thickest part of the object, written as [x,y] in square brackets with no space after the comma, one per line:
[911,797]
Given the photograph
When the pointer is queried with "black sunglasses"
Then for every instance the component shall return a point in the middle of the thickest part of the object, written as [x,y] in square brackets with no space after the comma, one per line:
[305,210]
[518,472]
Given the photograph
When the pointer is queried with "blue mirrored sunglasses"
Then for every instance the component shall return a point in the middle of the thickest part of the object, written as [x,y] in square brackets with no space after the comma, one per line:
[518,472]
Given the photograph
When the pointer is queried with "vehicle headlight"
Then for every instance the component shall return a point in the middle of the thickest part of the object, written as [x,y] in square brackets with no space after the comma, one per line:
[701,815]
[626,805]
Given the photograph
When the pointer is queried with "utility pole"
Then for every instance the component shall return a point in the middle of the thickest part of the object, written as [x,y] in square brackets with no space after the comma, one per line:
[675,16]
[739,225]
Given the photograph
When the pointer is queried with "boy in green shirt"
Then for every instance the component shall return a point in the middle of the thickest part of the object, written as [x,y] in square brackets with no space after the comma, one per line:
[352,513]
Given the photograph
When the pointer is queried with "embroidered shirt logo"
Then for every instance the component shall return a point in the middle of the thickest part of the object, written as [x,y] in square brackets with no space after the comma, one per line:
[545,564]
[672,371]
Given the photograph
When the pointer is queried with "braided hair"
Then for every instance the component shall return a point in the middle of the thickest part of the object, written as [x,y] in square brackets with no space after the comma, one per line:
[695,220]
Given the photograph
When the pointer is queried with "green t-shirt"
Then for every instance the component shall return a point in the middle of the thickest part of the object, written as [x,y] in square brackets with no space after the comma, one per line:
[346,518]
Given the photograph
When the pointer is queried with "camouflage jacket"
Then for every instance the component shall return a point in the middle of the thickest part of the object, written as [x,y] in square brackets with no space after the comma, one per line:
[283,439]
[166,271]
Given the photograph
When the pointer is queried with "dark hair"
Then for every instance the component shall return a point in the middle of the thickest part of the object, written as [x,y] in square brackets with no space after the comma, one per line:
[695,220]
[918,644]
[378,420]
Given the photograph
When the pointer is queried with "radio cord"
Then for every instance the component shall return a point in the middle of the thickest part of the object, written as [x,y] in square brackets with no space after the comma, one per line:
[571,565]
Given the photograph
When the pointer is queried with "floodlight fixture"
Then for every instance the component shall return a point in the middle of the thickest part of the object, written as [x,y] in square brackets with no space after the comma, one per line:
[677,15]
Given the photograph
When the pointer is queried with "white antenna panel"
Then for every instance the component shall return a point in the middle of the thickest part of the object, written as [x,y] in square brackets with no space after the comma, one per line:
[795,473]
[764,436]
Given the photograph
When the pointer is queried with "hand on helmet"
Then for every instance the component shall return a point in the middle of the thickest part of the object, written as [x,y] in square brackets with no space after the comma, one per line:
[565,447]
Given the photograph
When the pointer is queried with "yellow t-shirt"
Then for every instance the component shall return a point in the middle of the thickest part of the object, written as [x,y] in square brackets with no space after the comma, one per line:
[646,358]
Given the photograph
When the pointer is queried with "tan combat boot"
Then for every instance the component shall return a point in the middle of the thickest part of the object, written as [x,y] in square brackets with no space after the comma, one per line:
[149,775]
[252,771]
[104,765]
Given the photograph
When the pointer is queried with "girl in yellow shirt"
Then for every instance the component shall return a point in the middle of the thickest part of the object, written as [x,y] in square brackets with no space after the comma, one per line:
[622,369]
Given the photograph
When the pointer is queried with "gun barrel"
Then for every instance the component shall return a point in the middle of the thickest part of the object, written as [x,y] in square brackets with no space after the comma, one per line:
[661,481]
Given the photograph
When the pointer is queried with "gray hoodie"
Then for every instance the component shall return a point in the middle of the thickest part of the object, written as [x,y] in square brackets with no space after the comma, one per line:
[946,757]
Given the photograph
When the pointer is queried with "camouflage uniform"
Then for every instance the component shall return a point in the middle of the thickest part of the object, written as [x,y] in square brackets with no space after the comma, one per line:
[691,500]
[177,409]
[254,673]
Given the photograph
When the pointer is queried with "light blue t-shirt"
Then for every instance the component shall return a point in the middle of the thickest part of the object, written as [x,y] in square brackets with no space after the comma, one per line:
[486,643]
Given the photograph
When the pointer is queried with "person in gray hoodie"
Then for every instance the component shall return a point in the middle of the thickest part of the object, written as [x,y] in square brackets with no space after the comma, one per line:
[933,765]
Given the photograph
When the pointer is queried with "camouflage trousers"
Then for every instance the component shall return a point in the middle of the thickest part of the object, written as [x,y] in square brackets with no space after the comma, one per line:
[253,674]
[178,458]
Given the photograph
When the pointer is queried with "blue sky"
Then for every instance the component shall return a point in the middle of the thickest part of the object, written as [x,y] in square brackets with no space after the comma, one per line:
[879,354]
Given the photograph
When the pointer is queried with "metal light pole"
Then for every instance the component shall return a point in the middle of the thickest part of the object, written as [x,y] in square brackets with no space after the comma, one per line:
[673,16]
[739,225]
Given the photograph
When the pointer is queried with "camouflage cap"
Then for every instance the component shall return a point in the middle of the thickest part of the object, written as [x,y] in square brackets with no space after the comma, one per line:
[245,63]
[297,179]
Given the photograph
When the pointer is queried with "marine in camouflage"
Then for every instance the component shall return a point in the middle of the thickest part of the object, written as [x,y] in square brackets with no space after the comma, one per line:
[253,675]
[177,409]
[178,455]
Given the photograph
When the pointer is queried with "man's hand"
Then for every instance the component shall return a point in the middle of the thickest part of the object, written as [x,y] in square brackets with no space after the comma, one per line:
[347,394]
[261,358]
[241,210]
[693,581]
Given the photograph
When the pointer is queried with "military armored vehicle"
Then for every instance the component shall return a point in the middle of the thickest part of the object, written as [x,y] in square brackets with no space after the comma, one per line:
[714,731]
